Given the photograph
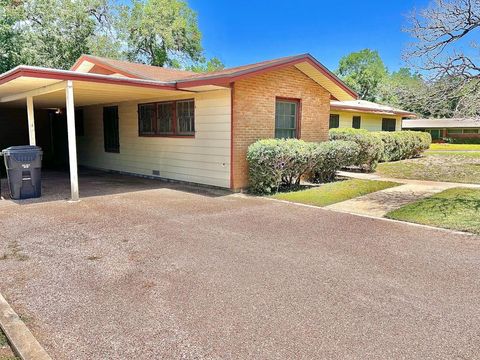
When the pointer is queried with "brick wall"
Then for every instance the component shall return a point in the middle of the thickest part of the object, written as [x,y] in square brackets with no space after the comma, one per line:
[254,112]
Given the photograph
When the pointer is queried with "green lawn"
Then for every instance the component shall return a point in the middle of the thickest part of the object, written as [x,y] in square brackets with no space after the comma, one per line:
[455,147]
[332,193]
[462,167]
[457,209]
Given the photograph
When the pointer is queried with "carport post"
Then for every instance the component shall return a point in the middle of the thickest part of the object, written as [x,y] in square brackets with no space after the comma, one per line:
[72,141]
[31,120]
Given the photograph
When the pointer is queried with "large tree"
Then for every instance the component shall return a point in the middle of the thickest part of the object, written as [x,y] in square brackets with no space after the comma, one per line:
[161,32]
[446,48]
[364,71]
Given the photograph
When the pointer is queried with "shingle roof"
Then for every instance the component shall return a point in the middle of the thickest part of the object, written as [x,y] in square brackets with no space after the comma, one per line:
[441,123]
[142,71]
[368,106]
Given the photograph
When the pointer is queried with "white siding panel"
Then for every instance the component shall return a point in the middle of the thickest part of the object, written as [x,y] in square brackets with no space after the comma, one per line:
[204,159]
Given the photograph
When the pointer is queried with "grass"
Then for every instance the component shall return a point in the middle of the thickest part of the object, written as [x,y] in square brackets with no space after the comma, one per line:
[335,192]
[5,351]
[456,209]
[461,167]
[455,147]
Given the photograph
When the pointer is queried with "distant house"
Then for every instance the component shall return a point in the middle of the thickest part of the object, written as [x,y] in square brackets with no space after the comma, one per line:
[169,123]
[446,128]
[361,114]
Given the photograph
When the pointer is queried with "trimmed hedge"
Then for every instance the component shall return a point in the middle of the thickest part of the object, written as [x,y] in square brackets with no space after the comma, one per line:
[331,157]
[276,163]
[400,145]
[371,147]
[463,140]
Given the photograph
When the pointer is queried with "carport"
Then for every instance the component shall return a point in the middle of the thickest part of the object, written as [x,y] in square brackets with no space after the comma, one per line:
[44,88]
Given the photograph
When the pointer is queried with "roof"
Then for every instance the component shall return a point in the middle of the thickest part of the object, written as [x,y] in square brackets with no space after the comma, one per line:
[368,106]
[187,79]
[136,70]
[441,123]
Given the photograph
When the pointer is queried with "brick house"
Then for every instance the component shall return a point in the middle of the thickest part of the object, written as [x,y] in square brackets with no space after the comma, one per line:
[169,123]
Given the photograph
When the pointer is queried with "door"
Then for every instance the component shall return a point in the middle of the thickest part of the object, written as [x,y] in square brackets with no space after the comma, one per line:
[111,136]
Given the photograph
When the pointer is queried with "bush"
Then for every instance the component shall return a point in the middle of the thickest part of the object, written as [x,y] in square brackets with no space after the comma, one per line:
[401,145]
[276,162]
[371,147]
[463,140]
[280,163]
[332,156]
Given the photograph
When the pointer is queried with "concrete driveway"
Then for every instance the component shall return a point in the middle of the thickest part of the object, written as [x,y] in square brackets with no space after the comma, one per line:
[170,272]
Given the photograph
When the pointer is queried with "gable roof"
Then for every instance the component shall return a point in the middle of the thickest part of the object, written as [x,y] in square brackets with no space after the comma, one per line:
[187,79]
[368,106]
[441,123]
[135,70]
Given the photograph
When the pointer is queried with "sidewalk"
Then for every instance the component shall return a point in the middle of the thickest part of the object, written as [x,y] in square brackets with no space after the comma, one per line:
[379,203]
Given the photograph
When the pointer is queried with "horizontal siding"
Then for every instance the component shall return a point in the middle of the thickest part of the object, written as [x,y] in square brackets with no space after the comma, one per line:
[370,122]
[204,159]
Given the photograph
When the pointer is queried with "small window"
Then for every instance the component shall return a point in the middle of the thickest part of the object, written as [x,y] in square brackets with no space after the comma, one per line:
[454,131]
[356,122]
[470,131]
[389,124]
[110,129]
[286,119]
[186,117]
[334,121]
[168,118]
[79,123]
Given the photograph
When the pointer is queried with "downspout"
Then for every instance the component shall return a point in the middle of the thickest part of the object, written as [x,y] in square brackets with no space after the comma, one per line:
[232,98]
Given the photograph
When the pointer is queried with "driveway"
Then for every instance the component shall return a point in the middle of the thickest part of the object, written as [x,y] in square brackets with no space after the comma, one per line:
[170,272]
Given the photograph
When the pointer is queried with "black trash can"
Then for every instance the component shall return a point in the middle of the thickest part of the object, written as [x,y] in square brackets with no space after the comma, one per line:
[24,171]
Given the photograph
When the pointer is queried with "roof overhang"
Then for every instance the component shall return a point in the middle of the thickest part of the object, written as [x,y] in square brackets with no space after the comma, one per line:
[362,109]
[441,123]
[90,89]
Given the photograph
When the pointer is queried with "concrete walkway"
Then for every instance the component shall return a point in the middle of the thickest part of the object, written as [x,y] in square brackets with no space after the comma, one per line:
[379,203]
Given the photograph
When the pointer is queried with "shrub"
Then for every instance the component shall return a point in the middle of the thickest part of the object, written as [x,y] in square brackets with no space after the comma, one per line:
[370,146]
[463,140]
[276,162]
[401,145]
[330,157]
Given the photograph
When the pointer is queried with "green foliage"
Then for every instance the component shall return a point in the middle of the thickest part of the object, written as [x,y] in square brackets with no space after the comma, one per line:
[463,140]
[160,32]
[277,162]
[332,156]
[363,71]
[204,66]
[400,145]
[371,147]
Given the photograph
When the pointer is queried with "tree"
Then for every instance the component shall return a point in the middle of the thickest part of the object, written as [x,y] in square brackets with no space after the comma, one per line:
[160,32]
[204,66]
[363,71]
[445,47]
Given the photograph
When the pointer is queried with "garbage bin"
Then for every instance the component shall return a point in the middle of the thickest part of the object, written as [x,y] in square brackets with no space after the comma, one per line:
[24,170]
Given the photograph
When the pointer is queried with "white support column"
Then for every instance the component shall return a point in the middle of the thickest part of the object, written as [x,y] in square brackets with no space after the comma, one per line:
[72,141]
[31,121]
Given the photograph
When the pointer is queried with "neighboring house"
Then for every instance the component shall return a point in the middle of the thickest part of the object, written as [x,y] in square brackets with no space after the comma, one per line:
[361,114]
[446,128]
[176,124]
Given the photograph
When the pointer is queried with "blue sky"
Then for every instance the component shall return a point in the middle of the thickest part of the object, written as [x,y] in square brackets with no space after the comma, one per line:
[242,32]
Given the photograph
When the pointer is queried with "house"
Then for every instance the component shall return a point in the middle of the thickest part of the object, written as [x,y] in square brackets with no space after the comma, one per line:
[361,114]
[446,128]
[168,123]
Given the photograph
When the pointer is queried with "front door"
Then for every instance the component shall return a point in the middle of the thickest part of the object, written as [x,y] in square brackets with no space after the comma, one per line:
[111,134]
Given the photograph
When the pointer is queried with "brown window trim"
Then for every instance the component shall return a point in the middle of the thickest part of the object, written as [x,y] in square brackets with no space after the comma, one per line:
[174,133]
[299,112]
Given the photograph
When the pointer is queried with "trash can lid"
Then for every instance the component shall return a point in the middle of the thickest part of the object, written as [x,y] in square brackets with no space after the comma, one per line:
[21,149]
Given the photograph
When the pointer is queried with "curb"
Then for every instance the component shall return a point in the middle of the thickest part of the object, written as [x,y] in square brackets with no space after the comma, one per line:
[22,341]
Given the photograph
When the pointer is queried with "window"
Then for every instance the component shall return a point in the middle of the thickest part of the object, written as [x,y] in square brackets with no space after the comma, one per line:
[110,129]
[470,131]
[79,125]
[286,118]
[356,122]
[334,121]
[454,131]
[185,117]
[168,118]
[388,124]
